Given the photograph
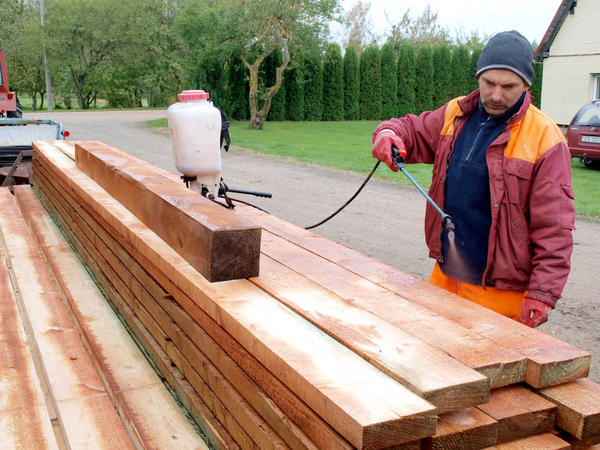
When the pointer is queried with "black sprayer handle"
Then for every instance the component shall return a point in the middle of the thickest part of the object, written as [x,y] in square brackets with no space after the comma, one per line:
[398,160]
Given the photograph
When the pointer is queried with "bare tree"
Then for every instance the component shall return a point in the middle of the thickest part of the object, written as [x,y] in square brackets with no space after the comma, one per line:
[424,29]
[359,27]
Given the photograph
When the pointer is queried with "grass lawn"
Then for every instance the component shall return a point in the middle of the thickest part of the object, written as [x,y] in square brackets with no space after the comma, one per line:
[347,146]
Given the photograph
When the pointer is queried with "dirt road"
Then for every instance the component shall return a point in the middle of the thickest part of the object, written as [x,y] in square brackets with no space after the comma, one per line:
[385,221]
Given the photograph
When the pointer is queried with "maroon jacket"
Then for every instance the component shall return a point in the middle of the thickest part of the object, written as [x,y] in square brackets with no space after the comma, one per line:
[529,164]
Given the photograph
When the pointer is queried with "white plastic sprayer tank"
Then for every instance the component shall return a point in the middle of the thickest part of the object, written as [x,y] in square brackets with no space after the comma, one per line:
[195,127]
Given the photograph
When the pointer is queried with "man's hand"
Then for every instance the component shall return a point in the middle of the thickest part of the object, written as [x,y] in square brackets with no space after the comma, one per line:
[382,147]
[534,312]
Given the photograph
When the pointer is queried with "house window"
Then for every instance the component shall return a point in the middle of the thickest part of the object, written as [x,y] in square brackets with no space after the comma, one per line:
[596,86]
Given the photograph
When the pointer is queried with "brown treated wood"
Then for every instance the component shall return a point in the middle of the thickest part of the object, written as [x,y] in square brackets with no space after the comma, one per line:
[220,244]
[545,441]
[252,392]
[550,360]
[146,407]
[216,434]
[369,409]
[426,370]
[25,422]
[519,412]
[84,408]
[468,428]
[578,407]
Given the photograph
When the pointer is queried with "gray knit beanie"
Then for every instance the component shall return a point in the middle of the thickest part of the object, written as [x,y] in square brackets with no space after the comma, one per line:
[508,50]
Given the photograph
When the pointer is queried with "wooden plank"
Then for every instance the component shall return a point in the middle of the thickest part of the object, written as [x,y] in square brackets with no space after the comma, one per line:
[84,408]
[163,424]
[148,426]
[550,360]
[580,444]
[502,365]
[519,412]
[105,244]
[468,428]
[220,244]
[426,370]
[259,431]
[25,421]
[545,441]
[365,406]
[578,407]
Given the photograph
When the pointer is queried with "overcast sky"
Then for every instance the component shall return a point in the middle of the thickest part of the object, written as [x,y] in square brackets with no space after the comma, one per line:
[530,17]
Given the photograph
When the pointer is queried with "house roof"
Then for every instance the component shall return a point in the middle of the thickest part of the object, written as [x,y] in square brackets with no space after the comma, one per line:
[566,6]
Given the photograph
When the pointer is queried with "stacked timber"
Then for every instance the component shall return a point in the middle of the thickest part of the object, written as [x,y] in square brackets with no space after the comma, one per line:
[324,348]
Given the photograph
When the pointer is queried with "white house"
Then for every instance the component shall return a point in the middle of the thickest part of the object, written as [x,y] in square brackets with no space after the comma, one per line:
[570,52]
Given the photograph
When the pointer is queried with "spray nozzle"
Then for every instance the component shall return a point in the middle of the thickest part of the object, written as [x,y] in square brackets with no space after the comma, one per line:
[449,226]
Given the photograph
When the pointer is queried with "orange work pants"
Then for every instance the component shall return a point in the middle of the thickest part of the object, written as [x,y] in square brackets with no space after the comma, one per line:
[508,303]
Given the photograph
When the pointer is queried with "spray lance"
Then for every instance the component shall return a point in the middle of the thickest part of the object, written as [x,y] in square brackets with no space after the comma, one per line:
[446,219]
[399,163]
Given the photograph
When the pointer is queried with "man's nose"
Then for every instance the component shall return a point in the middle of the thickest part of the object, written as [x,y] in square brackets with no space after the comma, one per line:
[497,93]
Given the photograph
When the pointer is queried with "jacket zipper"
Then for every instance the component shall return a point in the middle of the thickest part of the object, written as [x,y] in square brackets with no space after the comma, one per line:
[476,140]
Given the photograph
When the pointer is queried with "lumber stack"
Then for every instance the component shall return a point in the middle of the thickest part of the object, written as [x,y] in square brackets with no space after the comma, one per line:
[325,348]
[70,374]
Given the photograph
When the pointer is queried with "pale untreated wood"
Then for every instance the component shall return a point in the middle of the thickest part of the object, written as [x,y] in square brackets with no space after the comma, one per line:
[220,244]
[550,360]
[324,435]
[366,407]
[84,408]
[578,407]
[228,398]
[468,428]
[426,370]
[25,422]
[212,429]
[145,405]
[519,412]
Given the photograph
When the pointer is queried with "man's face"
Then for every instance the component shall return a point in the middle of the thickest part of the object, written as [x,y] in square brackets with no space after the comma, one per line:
[500,90]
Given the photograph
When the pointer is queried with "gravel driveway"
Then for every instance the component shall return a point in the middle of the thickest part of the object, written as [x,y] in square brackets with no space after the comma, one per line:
[385,221]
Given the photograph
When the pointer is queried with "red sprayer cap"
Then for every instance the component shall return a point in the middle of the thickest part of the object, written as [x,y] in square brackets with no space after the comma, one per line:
[188,96]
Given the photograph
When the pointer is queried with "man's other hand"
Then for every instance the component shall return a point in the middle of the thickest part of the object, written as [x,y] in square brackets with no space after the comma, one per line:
[382,147]
[534,312]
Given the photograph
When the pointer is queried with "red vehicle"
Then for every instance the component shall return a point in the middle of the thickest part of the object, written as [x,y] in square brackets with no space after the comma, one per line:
[9,105]
[583,134]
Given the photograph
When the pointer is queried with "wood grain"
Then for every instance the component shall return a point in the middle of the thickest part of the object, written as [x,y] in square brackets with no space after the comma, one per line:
[220,244]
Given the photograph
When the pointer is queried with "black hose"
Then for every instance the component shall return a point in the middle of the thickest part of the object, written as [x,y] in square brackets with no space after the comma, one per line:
[349,200]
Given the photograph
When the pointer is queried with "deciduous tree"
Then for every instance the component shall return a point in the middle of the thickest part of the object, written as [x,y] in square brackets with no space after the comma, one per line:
[246,25]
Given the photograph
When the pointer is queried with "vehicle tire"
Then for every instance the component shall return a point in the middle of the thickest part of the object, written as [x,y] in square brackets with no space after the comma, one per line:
[16,114]
[591,163]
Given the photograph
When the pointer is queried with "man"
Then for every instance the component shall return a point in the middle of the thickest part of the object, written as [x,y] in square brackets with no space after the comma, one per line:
[502,170]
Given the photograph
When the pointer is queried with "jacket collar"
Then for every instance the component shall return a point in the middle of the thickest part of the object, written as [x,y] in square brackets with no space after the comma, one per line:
[471,102]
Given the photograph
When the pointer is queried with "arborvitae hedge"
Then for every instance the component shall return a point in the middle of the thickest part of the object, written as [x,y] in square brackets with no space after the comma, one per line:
[333,84]
[274,60]
[389,81]
[235,104]
[424,72]
[378,85]
[370,83]
[473,84]
[536,85]
[293,80]
[313,87]
[351,84]
[441,74]
[461,79]
[406,79]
